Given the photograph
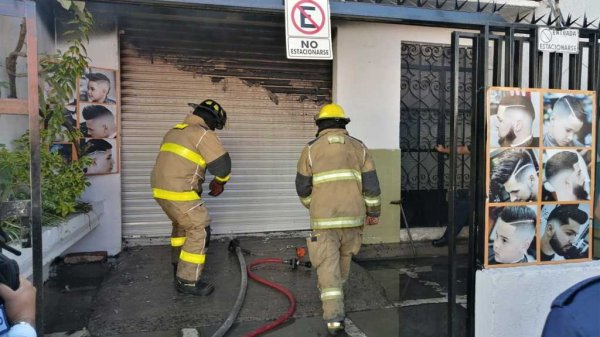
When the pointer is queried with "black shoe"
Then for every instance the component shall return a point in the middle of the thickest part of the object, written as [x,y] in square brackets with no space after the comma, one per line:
[441,242]
[336,329]
[200,288]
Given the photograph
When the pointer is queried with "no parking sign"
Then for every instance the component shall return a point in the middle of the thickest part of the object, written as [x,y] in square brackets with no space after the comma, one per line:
[308,29]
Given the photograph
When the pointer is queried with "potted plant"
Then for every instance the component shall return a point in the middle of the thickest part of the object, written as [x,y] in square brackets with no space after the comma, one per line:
[63,180]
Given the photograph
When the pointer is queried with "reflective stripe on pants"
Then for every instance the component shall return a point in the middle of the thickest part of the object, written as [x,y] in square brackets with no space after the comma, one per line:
[331,293]
[192,258]
[177,241]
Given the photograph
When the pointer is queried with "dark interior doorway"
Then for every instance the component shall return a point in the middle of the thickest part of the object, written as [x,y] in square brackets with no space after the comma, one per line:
[424,123]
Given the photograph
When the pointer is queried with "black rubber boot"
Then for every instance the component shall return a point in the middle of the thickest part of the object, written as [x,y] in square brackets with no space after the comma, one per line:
[200,288]
[441,242]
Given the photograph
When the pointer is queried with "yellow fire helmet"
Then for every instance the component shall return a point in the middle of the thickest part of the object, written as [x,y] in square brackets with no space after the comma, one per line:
[331,111]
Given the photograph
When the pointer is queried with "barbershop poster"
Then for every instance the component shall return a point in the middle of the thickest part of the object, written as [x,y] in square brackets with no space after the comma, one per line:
[540,165]
[94,111]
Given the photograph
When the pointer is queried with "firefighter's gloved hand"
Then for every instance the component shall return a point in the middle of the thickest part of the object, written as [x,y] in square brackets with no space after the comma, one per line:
[216,188]
[372,220]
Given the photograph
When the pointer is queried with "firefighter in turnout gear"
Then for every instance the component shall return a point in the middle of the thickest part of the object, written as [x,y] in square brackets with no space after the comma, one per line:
[187,151]
[337,182]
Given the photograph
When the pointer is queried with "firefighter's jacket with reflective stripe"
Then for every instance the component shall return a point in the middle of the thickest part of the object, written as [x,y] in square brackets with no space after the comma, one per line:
[187,151]
[337,181]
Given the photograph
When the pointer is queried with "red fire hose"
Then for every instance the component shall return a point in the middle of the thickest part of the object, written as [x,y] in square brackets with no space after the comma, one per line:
[276,286]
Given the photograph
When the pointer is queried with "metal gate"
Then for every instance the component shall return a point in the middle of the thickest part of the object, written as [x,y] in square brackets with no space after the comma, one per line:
[425,111]
[169,60]
[504,55]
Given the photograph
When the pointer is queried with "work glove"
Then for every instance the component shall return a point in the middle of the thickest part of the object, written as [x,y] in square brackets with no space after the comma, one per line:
[216,188]
[372,220]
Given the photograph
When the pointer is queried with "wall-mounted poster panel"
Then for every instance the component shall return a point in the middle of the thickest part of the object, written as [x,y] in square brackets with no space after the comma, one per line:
[539,183]
[96,114]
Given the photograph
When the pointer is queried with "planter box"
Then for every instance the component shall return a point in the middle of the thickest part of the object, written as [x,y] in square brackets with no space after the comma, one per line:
[57,239]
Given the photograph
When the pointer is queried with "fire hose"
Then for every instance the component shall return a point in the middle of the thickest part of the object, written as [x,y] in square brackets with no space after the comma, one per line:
[237,306]
[247,272]
[278,287]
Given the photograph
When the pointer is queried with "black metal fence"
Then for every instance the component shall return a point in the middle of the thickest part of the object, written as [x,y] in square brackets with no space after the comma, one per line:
[505,55]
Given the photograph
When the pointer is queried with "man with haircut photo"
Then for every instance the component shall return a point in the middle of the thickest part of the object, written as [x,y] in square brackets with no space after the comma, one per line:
[515,230]
[567,118]
[565,178]
[99,122]
[98,88]
[515,118]
[101,153]
[514,177]
[561,231]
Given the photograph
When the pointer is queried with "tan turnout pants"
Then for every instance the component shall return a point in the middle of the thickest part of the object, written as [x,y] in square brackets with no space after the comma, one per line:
[188,238]
[331,253]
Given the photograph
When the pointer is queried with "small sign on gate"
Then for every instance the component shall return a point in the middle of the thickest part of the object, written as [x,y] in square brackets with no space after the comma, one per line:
[558,40]
[308,29]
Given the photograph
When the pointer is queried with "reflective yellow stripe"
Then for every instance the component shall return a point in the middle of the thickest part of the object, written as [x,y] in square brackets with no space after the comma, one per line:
[331,293]
[192,258]
[336,175]
[334,325]
[184,152]
[175,196]
[222,180]
[177,242]
[373,201]
[306,201]
[342,222]
[180,126]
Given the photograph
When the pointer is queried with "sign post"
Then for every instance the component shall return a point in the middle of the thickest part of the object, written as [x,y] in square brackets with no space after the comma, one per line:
[308,29]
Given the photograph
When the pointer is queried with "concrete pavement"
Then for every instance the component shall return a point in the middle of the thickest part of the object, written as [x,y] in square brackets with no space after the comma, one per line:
[133,295]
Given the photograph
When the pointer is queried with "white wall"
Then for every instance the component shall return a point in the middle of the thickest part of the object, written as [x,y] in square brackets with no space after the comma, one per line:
[103,51]
[514,302]
[577,8]
[366,76]
[11,128]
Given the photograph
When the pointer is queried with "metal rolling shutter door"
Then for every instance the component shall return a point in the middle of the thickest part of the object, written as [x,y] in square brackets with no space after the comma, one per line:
[270,103]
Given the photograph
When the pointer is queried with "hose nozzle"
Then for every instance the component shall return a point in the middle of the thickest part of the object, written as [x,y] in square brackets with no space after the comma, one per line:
[295,263]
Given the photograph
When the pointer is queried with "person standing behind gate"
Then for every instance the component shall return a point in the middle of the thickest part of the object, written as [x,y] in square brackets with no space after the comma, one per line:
[187,150]
[462,201]
[337,182]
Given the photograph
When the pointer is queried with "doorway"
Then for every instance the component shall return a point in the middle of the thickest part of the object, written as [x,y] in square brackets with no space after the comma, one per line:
[424,123]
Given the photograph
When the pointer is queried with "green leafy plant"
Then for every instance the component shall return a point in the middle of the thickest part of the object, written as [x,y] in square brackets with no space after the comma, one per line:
[60,71]
[63,181]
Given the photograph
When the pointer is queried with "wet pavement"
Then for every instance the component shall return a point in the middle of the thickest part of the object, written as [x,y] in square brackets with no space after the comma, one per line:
[132,295]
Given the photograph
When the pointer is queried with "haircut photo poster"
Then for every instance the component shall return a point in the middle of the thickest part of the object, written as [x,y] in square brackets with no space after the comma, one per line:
[541,150]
